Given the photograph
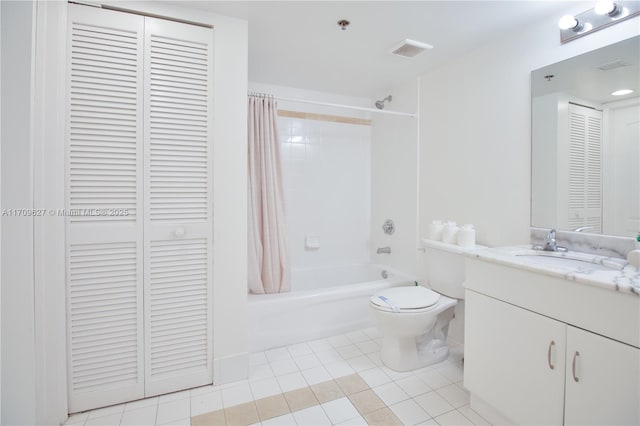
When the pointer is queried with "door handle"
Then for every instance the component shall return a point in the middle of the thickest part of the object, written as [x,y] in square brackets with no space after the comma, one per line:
[576,354]
[551,345]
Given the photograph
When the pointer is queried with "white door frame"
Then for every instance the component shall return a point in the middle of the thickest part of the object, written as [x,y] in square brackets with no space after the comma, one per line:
[607,161]
[48,193]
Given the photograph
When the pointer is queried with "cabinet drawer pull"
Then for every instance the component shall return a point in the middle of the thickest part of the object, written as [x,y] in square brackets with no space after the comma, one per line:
[576,354]
[551,345]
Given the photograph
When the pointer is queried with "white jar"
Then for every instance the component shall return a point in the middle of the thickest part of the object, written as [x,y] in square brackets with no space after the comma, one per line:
[467,236]
[450,233]
[435,230]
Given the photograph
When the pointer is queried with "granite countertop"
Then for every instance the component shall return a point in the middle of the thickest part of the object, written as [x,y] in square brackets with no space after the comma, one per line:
[607,272]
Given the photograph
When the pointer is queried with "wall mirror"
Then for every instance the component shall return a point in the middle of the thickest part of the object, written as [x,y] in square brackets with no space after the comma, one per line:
[585,142]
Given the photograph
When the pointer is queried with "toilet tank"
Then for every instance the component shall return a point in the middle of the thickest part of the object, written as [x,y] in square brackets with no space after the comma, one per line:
[445,268]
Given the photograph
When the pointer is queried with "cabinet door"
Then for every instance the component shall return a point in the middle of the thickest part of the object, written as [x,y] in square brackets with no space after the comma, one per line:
[178,93]
[509,355]
[603,381]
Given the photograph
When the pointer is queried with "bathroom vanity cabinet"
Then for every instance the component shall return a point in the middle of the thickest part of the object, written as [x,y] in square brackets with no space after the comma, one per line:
[546,350]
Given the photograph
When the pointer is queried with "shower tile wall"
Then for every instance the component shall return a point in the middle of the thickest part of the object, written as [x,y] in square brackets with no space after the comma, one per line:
[327,185]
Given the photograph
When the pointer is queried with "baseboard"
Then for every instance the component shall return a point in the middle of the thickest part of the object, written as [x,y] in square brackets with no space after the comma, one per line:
[488,412]
[230,369]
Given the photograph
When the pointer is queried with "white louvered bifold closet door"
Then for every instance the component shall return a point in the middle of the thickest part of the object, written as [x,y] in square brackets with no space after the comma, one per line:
[585,168]
[139,255]
[104,179]
[178,205]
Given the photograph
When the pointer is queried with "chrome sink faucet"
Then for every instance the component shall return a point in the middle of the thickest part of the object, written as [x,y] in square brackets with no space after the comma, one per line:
[550,243]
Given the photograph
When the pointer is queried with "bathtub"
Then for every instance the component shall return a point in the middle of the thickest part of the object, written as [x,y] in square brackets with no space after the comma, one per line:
[323,302]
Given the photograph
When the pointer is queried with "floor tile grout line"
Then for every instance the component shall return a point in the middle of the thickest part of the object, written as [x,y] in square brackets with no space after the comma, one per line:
[447,371]
[458,409]
[318,403]
[189,406]
[121,415]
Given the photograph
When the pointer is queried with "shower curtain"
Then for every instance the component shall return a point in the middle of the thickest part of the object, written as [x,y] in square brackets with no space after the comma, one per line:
[269,268]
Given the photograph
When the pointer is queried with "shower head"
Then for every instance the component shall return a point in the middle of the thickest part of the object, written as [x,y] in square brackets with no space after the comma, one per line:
[380,104]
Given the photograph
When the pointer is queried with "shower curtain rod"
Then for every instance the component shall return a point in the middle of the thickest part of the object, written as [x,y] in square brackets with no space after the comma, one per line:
[330,104]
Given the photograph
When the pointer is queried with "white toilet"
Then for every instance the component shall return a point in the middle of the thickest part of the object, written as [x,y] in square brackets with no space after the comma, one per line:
[414,320]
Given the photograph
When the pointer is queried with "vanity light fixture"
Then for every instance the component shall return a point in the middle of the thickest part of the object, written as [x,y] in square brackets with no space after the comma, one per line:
[569,22]
[621,92]
[607,7]
[604,14]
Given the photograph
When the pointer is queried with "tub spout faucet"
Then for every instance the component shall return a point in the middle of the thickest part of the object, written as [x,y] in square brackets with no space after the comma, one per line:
[385,250]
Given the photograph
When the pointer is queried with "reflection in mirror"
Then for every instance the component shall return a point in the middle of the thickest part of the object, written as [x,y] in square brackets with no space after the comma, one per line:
[585,142]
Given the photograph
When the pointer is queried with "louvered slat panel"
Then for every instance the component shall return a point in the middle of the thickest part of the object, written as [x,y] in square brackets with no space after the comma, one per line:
[594,163]
[104,74]
[171,299]
[178,227]
[585,168]
[575,222]
[90,269]
[103,172]
[595,223]
[577,129]
[178,148]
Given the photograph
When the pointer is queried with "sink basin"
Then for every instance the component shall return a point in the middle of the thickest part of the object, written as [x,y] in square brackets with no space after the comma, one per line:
[570,261]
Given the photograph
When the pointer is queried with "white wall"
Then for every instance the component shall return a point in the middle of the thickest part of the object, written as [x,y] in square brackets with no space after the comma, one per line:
[326,171]
[394,179]
[544,159]
[621,177]
[0,210]
[475,142]
[230,200]
[18,350]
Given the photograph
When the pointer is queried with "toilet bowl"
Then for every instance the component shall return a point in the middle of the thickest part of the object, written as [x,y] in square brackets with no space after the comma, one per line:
[413,322]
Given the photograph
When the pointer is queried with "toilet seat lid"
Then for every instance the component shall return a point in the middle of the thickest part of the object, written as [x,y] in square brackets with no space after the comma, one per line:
[405,298]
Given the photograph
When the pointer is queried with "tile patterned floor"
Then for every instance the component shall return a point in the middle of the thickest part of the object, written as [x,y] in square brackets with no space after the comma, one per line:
[335,381]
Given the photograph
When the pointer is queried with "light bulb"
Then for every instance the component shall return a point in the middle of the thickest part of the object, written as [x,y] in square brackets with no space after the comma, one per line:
[622,92]
[568,22]
[606,7]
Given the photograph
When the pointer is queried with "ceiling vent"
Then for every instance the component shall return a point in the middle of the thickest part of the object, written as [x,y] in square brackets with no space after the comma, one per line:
[410,48]
[613,65]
